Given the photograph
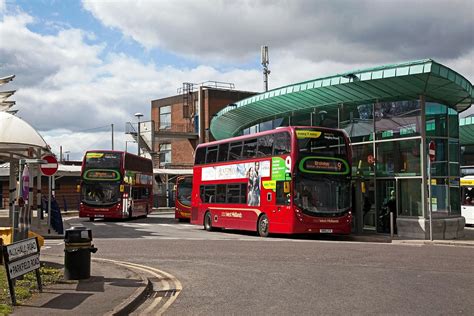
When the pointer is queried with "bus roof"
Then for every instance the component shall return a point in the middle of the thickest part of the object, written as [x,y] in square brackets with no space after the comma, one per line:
[280,129]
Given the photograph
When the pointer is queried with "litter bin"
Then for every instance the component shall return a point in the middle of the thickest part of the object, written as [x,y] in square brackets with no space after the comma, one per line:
[77,253]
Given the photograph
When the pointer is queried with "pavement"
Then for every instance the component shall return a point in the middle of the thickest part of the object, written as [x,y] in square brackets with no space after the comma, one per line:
[114,289]
[110,290]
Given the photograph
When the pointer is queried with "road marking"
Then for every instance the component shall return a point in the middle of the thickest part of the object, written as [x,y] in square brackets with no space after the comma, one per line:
[163,276]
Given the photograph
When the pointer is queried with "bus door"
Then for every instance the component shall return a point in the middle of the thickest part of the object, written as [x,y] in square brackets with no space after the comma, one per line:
[282,200]
[140,200]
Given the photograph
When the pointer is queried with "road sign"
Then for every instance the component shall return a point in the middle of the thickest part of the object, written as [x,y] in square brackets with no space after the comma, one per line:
[432,150]
[20,258]
[371,159]
[49,168]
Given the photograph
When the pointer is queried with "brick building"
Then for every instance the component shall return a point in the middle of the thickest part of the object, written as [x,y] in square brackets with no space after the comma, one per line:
[182,121]
[179,123]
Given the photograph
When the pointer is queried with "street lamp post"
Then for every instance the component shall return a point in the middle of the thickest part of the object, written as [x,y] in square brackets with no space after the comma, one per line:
[138,115]
[126,144]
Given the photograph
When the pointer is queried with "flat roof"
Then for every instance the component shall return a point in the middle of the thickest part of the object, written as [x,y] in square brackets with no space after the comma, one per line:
[390,82]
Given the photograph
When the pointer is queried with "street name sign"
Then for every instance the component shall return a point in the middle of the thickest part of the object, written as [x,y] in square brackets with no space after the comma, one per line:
[20,258]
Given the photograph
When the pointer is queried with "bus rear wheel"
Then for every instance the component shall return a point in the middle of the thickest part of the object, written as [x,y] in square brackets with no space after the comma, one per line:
[208,222]
[262,226]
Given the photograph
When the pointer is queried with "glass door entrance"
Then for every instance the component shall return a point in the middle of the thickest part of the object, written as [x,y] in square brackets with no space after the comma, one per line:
[386,203]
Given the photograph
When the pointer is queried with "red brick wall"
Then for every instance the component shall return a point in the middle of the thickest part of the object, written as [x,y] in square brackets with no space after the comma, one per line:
[214,100]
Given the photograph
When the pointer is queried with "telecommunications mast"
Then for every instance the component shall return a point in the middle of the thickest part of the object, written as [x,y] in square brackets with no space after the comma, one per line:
[265,62]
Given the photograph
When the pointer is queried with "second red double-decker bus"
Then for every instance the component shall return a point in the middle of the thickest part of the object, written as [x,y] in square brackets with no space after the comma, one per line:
[115,184]
[184,186]
[289,180]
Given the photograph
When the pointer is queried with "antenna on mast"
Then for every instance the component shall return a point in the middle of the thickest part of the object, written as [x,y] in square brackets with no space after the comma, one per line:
[265,62]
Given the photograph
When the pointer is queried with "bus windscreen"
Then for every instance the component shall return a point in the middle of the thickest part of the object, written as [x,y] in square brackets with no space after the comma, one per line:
[101,160]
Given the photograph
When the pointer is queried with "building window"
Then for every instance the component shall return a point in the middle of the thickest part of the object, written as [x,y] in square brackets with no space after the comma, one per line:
[165,117]
[165,154]
[398,158]
[436,120]
[363,160]
[357,121]
[410,198]
[397,119]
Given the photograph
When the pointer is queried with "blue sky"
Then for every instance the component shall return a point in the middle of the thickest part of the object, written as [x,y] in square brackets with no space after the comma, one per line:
[81,66]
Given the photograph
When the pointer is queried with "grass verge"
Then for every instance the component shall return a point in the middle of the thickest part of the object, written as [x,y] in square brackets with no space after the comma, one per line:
[26,287]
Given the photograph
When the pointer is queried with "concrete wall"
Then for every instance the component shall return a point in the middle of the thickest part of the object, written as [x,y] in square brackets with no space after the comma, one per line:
[443,228]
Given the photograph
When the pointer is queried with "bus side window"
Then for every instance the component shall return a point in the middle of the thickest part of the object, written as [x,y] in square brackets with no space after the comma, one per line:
[200,156]
[202,193]
[250,148]
[223,152]
[265,146]
[208,193]
[281,143]
[220,193]
[211,155]
[235,151]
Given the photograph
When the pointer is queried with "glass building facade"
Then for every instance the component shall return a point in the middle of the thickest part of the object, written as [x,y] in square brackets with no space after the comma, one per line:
[390,142]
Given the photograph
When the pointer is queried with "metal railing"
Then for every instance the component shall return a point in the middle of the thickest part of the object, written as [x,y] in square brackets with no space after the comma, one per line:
[191,87]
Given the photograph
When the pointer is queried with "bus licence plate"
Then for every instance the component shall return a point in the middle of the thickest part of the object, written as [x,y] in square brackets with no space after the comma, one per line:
[99,215]
[325,231]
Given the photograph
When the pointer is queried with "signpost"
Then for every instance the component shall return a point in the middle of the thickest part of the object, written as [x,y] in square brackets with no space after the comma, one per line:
[431,158]
[20,258]
[49,169]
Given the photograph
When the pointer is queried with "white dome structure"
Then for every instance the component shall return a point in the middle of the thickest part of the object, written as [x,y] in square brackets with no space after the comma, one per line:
[18,139]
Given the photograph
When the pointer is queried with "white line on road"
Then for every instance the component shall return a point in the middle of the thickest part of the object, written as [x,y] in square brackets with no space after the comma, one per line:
[164,278]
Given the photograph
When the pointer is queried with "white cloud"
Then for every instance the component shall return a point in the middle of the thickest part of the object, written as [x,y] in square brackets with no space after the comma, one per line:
[349,31]
[76,144]
[67,85]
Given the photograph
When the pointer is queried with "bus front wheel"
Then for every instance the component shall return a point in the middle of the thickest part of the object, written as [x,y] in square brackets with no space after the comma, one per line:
[262,226]
[208,222]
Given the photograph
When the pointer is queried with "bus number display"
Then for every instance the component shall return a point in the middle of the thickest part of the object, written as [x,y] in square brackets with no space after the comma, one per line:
[102,175]
[324,165]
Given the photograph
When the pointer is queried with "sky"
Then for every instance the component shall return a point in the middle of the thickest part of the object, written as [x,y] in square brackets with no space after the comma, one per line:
[82,66]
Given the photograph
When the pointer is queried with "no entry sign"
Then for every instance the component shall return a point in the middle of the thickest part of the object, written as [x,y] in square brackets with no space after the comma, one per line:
[432,150]
[49,168]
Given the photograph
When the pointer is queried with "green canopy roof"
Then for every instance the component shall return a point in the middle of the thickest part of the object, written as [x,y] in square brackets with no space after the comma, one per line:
[385,83]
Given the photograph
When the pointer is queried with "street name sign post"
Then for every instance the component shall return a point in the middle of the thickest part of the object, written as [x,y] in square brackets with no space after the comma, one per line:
[20,258]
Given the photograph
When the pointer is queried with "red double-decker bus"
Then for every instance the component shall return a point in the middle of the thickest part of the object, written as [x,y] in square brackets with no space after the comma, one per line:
[115,184]
[289,180]
[183,198]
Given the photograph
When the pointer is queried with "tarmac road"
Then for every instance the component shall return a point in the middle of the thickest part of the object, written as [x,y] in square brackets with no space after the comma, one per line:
[240,273]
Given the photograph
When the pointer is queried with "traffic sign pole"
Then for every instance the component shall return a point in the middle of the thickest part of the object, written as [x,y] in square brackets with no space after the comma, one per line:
[49,205]
[431,158]
[49,169]
[429,198]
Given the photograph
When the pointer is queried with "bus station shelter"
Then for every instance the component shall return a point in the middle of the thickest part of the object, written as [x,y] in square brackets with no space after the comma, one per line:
[21,145]
[391,114]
